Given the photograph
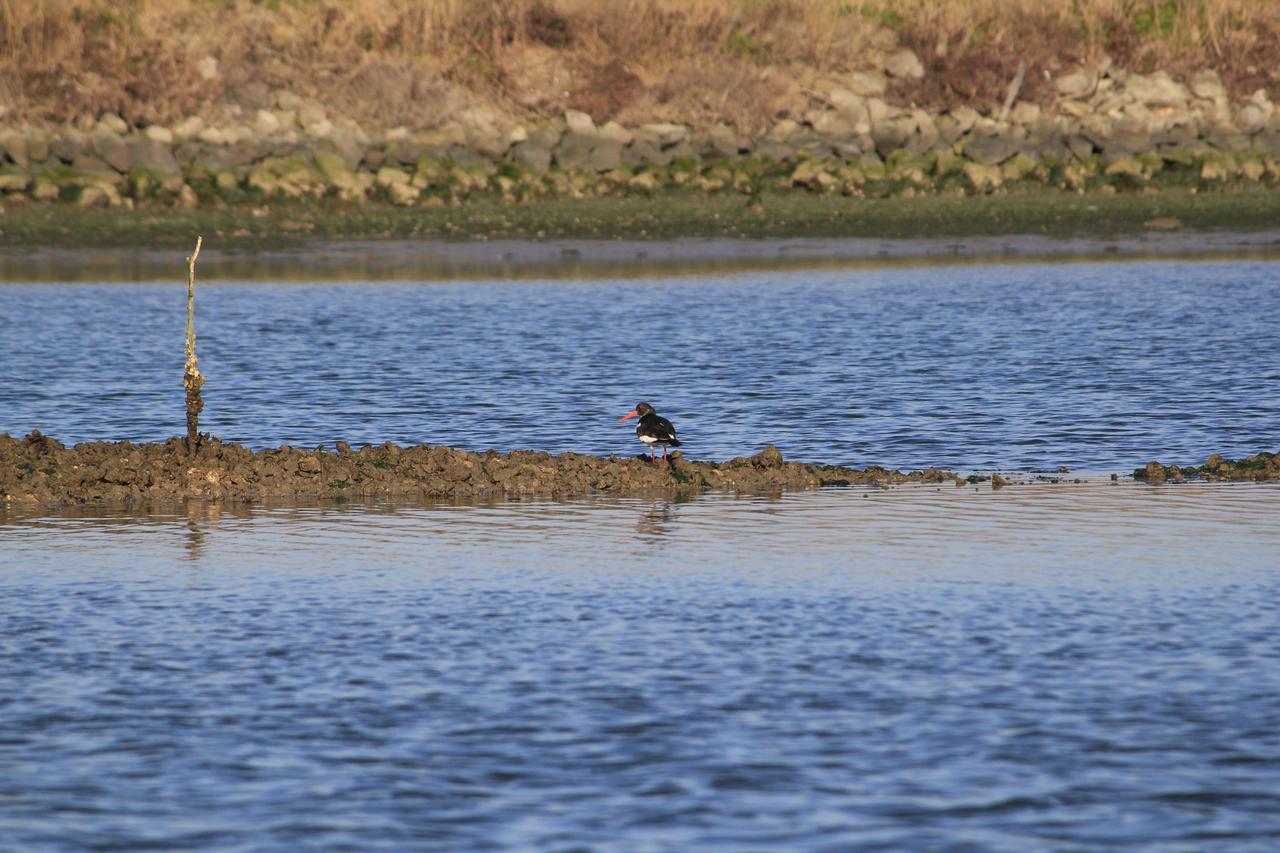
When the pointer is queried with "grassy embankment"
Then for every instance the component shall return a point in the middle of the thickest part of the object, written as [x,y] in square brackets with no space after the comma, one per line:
[744,62]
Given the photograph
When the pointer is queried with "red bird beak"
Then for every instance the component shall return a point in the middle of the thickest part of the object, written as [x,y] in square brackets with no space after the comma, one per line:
[630,414]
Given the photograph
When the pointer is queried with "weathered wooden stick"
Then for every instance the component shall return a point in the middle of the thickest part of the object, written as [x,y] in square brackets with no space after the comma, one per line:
[192,380]
[1014,86]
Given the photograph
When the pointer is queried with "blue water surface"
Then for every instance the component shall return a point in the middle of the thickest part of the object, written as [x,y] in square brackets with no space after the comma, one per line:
[1046,667]
[1089,365]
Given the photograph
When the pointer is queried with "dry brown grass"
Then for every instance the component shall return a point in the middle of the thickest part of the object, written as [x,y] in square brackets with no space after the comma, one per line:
[700,61]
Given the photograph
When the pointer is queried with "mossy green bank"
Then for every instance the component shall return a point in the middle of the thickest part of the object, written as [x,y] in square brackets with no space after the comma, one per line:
[661,216]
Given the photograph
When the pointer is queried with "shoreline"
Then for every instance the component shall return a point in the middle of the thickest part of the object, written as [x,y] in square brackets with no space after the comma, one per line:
[440,261]
[40,471]
[627,237]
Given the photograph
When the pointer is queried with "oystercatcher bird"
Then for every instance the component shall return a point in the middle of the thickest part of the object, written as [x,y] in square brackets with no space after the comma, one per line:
[653,429]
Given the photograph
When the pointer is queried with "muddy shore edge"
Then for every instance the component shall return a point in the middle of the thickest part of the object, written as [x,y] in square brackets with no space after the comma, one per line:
[39,470]
[439,260]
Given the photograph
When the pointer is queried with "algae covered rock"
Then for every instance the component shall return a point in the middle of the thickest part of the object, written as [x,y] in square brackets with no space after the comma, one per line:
[1257,467]
[770,457]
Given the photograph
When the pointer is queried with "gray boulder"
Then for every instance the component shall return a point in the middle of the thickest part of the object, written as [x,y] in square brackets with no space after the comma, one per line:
[903,62]
[464,156]
[266,123]
[892,134]
[1080,146]
[1125,143]
[548,134]
[1075,84]
[533,154]
[245,153]
[488,141]
[113,124]
[965,117]
[926,135]
[1226,136]
[851,107]
[1025,114]
[1251,116]
[725,141]
[347,142]
[407,152]
[662,134]
[683,150]
[1097,128]
[949,129]
[606,156]
[536,151]
[188,128]
[780,152]
[1182,135]
[615,132]
[1208,85]
[990,150]
[112,149]
[832,126]
[14,147]
[208,158]
[574,151]
[1158,89]
[37,145]
[579,123]
[87,164]
[153,156]
[644,150]
[867,84]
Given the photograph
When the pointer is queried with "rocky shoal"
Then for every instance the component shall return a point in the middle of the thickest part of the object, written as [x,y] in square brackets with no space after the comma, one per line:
[39,470]
[1105,128]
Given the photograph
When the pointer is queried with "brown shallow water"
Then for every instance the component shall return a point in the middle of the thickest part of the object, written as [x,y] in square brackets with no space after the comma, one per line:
[434,260]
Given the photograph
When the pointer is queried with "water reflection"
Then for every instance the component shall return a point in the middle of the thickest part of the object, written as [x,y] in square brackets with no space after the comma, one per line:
[655,521]
[203,516]
[974,528]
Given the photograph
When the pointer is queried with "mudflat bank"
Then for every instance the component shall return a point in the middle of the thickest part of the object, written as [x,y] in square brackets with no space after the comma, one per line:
[681,226]
[41,470]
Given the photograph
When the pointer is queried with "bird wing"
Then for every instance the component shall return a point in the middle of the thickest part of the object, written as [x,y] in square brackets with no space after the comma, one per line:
[663,428]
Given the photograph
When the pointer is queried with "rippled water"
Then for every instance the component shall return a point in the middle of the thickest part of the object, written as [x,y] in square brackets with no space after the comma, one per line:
[1043,667]
[1094,366]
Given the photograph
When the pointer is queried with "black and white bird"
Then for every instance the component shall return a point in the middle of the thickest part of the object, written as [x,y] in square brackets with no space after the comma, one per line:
[653,429]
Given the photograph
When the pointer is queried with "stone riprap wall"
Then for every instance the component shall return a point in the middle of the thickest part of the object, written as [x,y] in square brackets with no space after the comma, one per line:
[1107,129]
